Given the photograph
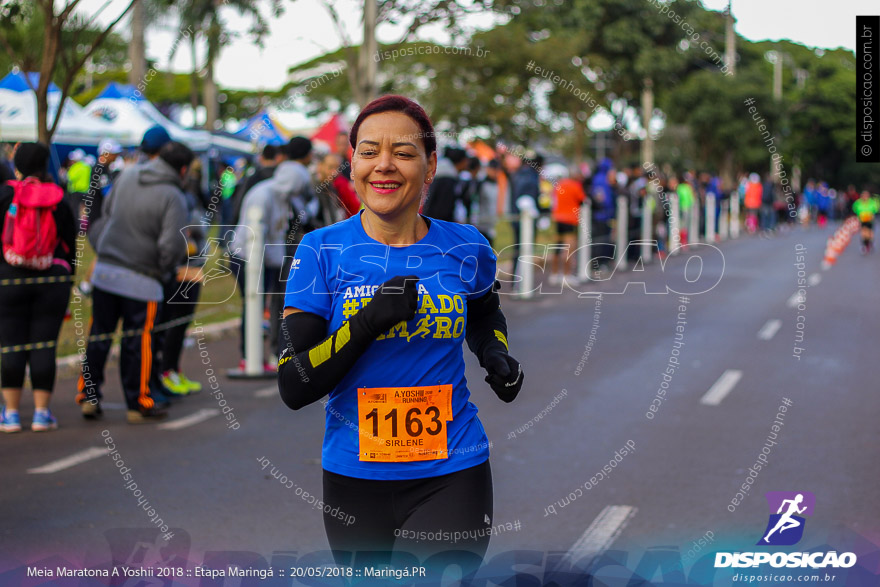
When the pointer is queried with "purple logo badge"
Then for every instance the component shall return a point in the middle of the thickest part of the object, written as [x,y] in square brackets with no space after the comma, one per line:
[787,511]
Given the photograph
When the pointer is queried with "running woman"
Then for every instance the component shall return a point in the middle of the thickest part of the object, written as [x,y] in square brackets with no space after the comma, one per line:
[376,310]
[866,208]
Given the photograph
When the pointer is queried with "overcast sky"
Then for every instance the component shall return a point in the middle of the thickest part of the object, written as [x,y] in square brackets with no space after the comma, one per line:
[306,31]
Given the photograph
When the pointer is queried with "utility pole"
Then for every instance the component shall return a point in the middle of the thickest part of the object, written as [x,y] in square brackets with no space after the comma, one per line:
[777,77]
[647,113]
[777,97]
[730,41]
[368,70]
[136,49]
[730,64]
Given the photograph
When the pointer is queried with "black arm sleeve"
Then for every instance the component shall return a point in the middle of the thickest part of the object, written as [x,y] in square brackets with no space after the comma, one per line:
[486,325]
[313,363]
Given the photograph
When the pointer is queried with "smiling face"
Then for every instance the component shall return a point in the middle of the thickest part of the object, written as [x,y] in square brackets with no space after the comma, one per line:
[390,168]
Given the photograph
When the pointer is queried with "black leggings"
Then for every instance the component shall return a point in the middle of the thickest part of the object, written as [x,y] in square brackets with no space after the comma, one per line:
[31,313]
[374,520]
[180,301]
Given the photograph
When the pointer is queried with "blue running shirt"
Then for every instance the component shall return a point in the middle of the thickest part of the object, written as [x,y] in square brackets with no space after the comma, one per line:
[334,273]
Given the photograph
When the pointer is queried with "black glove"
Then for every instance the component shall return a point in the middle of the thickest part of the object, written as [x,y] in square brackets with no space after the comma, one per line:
[505,375]
[395,301]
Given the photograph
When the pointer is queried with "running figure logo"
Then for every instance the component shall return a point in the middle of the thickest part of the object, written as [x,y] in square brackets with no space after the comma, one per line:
[786,524]
[422,328]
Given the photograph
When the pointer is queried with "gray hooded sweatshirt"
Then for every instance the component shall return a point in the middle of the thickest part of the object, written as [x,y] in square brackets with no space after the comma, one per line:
[275,198]
[142,222]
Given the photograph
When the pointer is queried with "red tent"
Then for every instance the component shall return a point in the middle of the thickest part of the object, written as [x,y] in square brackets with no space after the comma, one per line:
[328,131]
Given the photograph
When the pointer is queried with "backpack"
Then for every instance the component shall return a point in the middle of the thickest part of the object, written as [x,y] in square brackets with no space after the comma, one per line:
[29,232]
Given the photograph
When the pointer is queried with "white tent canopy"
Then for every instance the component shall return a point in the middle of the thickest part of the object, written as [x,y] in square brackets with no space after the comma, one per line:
[125,109]
[18,115]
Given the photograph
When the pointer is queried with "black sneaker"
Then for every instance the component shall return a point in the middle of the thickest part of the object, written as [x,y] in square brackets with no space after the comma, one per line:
[91,411]
[161,399]
[145,415]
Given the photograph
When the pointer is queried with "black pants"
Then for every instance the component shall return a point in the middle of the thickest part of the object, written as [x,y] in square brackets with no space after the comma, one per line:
[515,245]
[420,517]
[136,352]
[180,302]
[602,250]
[31,313]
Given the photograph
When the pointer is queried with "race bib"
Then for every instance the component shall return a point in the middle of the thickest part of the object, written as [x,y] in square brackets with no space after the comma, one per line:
[866,216]
[403,424]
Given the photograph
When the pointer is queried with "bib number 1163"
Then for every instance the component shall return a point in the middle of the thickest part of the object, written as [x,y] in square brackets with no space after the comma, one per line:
[400,424]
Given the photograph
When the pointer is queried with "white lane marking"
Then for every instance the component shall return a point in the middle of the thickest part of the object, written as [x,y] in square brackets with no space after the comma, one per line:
[266,391]
[192,419]
[722,387]
[794,300]
[814,279]
[769,329]
[600,534]
[71,461]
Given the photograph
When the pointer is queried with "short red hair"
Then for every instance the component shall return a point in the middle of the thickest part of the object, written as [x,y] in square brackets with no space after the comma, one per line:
[394,103]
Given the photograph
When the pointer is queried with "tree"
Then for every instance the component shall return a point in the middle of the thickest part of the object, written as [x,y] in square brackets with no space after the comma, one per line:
[67,41]
[413,14]
[204,18]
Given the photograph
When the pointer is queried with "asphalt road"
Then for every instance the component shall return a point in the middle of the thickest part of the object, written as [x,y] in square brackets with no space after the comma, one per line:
[672,488]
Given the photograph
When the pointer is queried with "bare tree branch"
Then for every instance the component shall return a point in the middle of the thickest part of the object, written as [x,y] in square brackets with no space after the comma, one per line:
[71,74]
[63,16]
[337,22]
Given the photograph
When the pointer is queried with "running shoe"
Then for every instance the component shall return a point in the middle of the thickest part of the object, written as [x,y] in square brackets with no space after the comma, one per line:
[10,422]
[90,410]
[43,420]
[267,366]
[174,384]
[194,386]
[145,415]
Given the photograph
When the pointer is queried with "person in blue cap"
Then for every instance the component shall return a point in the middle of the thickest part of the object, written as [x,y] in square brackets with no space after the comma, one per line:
[180,296]
[155,137]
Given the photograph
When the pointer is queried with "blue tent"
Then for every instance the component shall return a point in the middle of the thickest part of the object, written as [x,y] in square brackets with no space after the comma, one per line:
[16,82]
[262,130]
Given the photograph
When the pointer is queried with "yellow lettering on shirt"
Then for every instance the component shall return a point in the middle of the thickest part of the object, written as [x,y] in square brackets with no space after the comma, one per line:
[443,326]
[428,306]
[446,304]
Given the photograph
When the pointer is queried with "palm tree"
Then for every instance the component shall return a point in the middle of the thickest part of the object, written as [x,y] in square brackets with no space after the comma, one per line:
[204,19]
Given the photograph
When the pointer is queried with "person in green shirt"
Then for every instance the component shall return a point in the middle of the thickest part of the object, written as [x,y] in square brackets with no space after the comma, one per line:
[78,176]
[866,207]
[685,205]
